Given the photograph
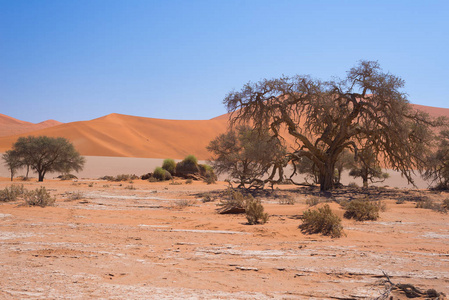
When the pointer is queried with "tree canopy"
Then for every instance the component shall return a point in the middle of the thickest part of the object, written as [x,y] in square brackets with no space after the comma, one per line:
[46,154]
[247,156]
[326,117]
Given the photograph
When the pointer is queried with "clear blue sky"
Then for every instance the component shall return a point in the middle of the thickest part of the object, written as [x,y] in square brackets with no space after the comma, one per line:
[83,59]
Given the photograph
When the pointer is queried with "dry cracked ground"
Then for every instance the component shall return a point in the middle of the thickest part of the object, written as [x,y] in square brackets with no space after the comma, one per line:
[146,240]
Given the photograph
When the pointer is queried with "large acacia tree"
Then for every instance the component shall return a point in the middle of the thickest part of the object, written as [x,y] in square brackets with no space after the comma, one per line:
[46,154]
[326,117]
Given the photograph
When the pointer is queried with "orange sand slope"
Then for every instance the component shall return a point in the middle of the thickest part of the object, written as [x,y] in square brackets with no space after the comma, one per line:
[129,136]
[11,126]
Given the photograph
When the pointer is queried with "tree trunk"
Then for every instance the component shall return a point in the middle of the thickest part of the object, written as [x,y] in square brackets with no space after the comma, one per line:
[41,176]
[28,170]
[12,175]
[327,177]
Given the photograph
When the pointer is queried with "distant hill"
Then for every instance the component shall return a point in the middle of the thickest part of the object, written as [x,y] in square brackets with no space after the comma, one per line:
[129,136]
[11,126]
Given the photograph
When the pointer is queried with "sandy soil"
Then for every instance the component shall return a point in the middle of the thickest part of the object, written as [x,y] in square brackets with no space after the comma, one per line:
[136,241]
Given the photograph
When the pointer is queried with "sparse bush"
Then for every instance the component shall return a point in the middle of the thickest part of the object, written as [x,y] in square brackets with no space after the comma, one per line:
[235,203]
[169,165]
[312,200]
[161,174]
[152,179]
[426,203]
[184,203]
[207,197]
[75,195]
[120,177]
[255,212]
[11,193]
[189,181]
[39,197]
[287,200]
[91,184]
[67,177]
[130,187]
[362,210]
[175,182]
[187,167]
[322,221]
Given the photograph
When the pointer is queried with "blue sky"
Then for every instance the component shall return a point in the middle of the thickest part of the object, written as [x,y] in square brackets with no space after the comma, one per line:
[79,60]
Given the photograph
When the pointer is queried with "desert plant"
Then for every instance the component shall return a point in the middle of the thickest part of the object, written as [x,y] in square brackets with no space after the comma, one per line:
[189,181]
[312,200]
[161,174]
[207,172]
[47,154]
[183,203]
[326,117]
[187,167]
[207,197]
[67,177]
[425,203]
[445,204]
[130,187]
[362,210]
[322,221]
[169,165]
[235,203]
[39,197]
[78,195]
[11,193]
[246,156]
[287,200]
[255,212]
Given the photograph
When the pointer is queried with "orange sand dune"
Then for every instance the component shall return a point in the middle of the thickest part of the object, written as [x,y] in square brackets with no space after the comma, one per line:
[129,136]
[10,126]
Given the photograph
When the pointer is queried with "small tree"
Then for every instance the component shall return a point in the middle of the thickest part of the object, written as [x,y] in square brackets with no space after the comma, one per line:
[46,154]
[247,156]
[12,161]
[367,168]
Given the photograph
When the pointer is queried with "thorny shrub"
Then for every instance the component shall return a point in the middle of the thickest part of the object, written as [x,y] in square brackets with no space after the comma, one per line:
[323,221]
[39,197]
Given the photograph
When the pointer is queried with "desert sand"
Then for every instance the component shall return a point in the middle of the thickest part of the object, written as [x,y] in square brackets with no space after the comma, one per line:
[142,240]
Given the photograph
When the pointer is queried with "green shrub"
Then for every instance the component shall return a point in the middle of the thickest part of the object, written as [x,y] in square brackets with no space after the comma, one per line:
[322,221]
[11,193]
[169,165]
[39,197]
[362,210]
[188,166]
[161,174]
[255,212]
